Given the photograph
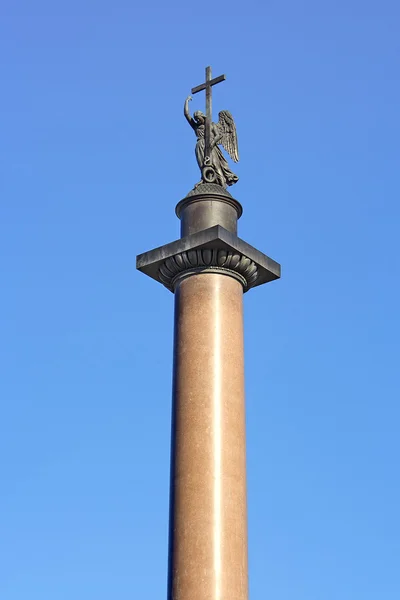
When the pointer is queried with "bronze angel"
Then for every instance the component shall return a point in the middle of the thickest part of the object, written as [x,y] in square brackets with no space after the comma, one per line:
[223,133]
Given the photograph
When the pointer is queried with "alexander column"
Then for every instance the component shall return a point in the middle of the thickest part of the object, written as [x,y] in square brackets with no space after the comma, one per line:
[208,269]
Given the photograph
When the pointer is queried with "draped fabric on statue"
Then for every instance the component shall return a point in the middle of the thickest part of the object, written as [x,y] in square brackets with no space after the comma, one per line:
[200,145]
[220,164]
[224,175]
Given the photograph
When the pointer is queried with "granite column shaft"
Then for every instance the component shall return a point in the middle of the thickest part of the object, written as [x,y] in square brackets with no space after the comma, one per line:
[208,529]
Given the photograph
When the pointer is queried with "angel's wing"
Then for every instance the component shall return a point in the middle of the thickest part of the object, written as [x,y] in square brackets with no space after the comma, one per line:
[227,127]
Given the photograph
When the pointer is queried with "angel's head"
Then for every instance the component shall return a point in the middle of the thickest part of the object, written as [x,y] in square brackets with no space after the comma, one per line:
[199,116]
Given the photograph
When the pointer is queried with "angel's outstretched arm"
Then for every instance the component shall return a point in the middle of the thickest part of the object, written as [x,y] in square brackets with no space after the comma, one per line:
[186,112]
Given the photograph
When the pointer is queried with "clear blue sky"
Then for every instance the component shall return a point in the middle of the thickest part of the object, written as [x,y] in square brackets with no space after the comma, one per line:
[95,153]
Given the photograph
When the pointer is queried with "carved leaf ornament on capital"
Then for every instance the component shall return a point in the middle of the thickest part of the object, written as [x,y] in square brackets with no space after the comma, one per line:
[208,260]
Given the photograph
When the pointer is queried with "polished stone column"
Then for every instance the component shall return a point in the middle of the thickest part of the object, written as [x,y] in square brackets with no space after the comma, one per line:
[208,531]
[208,269]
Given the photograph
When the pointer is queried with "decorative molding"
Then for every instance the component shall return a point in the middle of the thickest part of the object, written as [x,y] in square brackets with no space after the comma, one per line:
[208,260]
[192,254]
[208,189]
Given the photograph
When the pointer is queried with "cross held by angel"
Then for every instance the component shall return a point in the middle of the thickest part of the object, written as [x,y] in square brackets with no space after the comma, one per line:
[212,163]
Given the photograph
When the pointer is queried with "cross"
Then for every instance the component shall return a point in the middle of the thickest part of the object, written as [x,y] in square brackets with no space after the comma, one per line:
[207,86]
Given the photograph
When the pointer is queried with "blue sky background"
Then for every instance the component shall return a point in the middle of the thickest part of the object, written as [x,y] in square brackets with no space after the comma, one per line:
[95,153]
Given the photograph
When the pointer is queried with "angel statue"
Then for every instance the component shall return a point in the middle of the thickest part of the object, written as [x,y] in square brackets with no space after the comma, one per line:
[214,168]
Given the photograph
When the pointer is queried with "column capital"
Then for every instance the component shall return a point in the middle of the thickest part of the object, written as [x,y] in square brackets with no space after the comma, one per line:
[210,250]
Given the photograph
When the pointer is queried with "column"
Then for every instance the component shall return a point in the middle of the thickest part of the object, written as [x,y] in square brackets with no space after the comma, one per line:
[208,528]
